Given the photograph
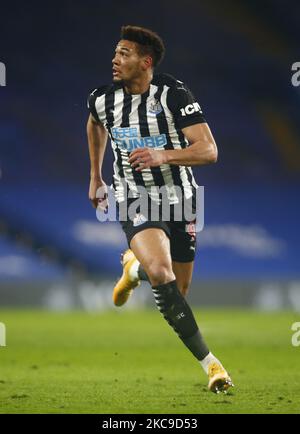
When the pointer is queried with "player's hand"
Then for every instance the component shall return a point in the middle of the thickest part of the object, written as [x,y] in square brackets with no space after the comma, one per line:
[143,158]
[98,194]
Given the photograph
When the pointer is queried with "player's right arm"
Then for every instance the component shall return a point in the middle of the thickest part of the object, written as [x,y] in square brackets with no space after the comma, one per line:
[97,140]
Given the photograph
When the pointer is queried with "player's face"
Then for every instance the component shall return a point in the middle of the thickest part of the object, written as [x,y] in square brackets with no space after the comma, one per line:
[127,63]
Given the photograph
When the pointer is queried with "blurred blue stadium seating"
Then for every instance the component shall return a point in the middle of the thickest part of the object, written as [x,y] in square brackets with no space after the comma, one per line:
[252,204]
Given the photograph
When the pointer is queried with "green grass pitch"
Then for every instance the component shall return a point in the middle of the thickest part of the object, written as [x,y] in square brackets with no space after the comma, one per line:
[132,362]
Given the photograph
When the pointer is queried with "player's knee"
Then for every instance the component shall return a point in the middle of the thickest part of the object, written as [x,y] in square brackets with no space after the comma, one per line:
[160,274]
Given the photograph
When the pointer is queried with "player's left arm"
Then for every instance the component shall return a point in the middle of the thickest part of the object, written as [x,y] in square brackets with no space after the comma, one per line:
[189,118]
[202,149]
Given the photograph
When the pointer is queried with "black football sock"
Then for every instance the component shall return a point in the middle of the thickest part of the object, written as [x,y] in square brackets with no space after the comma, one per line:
[179,315]
[142,274]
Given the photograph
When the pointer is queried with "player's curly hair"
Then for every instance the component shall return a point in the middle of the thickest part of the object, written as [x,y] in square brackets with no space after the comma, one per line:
[149,43]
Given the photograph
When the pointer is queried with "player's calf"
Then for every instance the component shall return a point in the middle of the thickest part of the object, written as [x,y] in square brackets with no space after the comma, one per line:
[179,316]
[184,288]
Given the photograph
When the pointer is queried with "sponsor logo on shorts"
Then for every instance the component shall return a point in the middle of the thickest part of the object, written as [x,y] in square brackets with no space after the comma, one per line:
[190,228]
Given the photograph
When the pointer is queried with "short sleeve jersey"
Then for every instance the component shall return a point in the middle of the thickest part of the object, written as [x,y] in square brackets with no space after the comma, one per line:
[154,119]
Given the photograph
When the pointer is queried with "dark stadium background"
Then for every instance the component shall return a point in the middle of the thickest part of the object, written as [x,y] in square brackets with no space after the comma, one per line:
[237,58]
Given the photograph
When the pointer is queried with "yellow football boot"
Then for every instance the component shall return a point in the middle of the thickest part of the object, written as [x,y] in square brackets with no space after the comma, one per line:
[126,283]
[219,380]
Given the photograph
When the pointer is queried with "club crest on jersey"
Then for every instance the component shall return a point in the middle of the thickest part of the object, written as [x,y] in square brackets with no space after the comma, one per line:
[155,108]
[139,219]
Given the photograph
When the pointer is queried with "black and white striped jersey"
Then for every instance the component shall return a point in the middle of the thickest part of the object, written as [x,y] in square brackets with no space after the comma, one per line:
[153,119]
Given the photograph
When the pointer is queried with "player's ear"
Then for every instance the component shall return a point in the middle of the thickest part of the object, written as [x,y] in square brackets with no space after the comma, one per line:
[147,62]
